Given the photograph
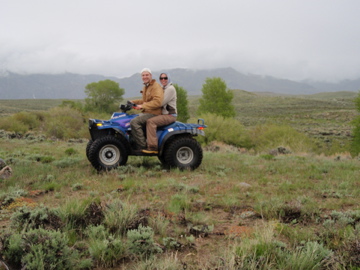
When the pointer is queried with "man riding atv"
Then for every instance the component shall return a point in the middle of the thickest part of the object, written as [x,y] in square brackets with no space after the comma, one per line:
[150,106]
[112,141]
[168,114]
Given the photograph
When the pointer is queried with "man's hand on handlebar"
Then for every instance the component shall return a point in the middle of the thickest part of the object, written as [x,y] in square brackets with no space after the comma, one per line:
[137,107]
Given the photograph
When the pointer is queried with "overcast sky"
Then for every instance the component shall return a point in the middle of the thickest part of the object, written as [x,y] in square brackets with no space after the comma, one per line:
[292,39]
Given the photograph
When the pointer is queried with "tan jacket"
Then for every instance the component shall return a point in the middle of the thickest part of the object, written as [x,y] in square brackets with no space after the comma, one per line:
[152,98]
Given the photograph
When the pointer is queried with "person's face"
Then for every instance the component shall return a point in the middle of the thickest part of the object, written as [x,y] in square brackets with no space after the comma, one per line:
[163,79]
[146,77]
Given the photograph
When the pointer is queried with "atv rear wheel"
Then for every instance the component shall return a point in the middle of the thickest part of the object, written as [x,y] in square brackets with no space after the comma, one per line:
[183,153]
[107,153]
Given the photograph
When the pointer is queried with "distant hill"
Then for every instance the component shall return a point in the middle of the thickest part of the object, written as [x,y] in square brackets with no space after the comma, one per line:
[72,86]
[344,85]
[192,81]
[46,86]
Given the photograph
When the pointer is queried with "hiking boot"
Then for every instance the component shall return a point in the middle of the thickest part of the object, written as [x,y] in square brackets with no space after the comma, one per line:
[138,152]
[150,151]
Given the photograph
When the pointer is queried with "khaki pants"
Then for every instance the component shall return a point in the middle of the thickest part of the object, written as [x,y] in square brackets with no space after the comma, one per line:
[152,124]
[137,124]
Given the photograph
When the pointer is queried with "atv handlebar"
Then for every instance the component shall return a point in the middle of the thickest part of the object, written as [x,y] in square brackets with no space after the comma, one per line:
[127,107]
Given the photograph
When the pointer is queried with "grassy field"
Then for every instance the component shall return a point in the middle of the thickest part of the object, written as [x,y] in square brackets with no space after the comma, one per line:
[233,200]
[325,117]
[10,106]
[238,210]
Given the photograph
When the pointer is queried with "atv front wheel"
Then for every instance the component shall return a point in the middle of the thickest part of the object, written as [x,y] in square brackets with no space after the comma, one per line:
[88,148]
[183,153]
[107,153]
[162,160]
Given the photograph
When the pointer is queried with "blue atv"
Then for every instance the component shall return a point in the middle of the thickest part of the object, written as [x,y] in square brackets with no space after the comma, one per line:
[111,142]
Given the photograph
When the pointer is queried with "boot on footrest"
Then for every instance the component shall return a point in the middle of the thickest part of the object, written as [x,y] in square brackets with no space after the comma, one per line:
[150,150]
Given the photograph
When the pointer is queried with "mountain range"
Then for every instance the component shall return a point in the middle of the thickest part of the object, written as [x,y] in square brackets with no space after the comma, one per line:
[72,86]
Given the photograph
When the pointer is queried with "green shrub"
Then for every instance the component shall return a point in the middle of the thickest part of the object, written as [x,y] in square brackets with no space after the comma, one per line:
[141,242]
[80,214]
[355,144]
[159,223]
[179,203]
[340,227]
[311,256]
[267,137]
[40,249]
[106,249]
[171,243]
[40,115]
[8,196]
[343,219]
[20,122]
[26,218]
[267,157]
[77,105]
[259,253]
[58,122]
[287,212]
[12,250]
[47,159]
[71,151]
[28,119]
[65,123]
[42,159]
[227,130]
[51,186]
[119,216]
[10,124]
[263,251]
[296,234]
[77,186]
[269,209]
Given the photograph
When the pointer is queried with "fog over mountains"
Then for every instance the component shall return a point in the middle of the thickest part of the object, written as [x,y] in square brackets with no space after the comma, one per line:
[72,86]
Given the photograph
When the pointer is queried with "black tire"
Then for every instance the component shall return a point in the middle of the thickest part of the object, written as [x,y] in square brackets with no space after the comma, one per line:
[162,160]
[88,148]
[107,153]
[183,153]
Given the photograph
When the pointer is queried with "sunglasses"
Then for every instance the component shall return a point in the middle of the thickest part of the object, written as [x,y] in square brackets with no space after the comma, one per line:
[163,78]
